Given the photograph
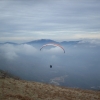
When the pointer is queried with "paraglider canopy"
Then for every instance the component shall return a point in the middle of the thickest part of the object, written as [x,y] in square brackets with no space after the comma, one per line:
[52,44]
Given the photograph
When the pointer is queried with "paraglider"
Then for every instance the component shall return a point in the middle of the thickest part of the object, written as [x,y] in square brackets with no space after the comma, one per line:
[52,44]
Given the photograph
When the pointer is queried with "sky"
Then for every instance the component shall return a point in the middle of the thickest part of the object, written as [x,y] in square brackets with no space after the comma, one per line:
[26,20]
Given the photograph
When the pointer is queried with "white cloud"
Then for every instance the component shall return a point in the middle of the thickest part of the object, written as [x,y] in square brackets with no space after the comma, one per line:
[11,51]
[53,50]
[10,55]
[27,49]
[8,51]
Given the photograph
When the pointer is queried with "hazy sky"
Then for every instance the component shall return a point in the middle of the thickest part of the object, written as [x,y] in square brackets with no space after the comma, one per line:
[26,20]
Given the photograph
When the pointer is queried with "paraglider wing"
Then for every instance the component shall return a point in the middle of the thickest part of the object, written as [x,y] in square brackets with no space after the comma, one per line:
[53,44]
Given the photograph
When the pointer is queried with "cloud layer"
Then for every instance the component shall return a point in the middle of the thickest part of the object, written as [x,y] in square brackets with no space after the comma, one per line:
[54,19]
[81,63]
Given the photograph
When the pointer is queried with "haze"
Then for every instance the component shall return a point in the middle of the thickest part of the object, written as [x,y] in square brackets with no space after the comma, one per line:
[78,67]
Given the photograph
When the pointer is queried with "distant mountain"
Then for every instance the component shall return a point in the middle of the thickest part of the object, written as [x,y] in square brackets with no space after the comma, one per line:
[9,43]
[42,41]
[70,42]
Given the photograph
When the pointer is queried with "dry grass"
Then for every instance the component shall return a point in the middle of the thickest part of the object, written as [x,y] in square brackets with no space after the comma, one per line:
[11,89]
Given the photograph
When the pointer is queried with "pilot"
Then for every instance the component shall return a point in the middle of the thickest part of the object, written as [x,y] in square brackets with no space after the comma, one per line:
[50,66]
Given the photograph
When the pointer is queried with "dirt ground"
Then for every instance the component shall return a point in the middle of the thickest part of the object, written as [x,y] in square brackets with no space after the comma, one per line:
[12,89]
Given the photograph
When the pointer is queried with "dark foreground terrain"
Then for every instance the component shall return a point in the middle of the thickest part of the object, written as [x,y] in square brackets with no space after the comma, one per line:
[16,89]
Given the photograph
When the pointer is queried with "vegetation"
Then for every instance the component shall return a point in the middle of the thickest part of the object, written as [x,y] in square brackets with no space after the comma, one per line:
[12,89]
[6,74]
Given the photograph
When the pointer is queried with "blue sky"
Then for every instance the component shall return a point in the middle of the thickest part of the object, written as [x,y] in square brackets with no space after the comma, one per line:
[26,20]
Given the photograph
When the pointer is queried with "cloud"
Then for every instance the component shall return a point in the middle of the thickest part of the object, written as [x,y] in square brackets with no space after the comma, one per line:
[54,50]
[95,42]
[29,63]
[8,51]
[27,49]
[47,19]
[13,51]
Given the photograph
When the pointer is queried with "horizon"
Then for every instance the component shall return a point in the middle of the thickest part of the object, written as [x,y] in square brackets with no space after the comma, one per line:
[85,40]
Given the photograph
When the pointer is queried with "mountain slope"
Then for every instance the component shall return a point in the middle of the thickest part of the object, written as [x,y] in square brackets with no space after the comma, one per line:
[13,89]
[41,41]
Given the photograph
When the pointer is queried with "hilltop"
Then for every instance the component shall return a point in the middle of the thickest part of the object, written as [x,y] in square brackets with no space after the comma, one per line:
[17,89]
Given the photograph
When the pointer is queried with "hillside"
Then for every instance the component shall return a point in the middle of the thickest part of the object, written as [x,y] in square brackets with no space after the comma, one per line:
[15,89]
